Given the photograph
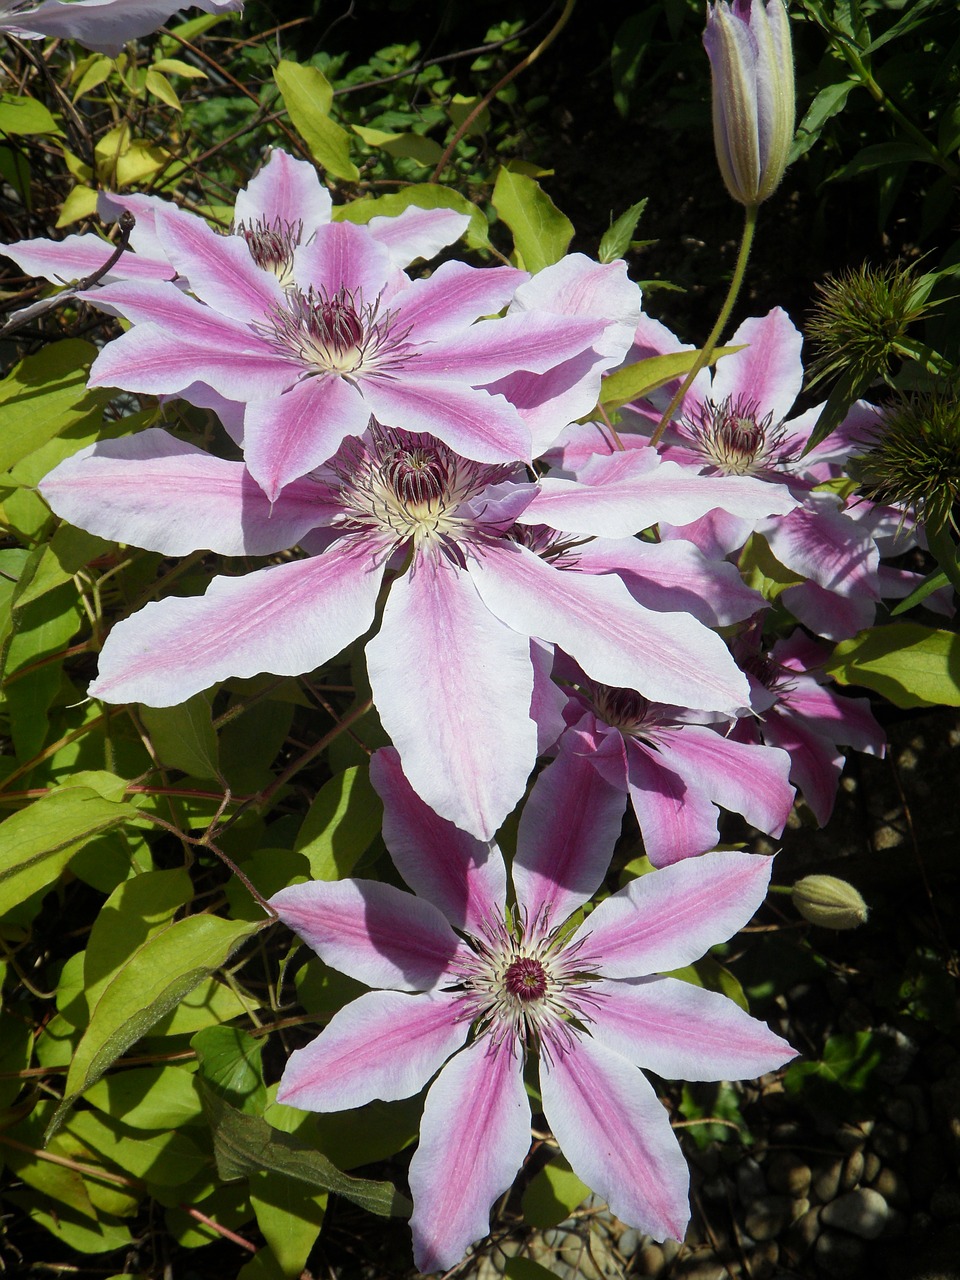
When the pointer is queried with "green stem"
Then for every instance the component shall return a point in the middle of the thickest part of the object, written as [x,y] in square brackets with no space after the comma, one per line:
[705,356]
[944,551]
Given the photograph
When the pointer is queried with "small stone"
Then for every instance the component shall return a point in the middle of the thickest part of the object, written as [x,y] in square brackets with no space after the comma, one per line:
[852,1171]
[629,1242]
[650,1260]
[896,1225]
[900,1112]
[893,1187]
[751,1184]
[763,1260]
[862,1213]
[788,1173]
[805,1230]
[871,1166]
[768,1216]
[925,1166]
[921,1116]
[826,1181]
[715,1189]
[700,1269]
[850,1137]
[839,1255]
[945,1202]
[888,1142]
[670,1249]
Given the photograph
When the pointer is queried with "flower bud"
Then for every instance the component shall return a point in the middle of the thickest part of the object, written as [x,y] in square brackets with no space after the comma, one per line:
[830,902]
[751,60]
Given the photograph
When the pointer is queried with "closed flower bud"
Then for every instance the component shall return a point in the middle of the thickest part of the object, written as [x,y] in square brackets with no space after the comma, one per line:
[829,902]
[751,58]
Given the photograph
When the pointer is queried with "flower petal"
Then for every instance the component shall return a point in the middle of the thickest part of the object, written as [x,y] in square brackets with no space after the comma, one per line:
[453,687]
[683,1032]
[167,495]
[569,826]
[613,1129]
[473,1138]
[669,918]
[462,876]
[287,619]
[676,820]
[342,255]
[418,233]
[768,373]
[373,932]
[220,268]
[384,1044]
[452,297]
[287,192]
[75,257]
[104,25]
[495,348]
[667,657]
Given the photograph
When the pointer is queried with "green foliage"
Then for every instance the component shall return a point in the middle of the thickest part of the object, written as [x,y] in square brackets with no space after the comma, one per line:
[911,665]
[552,1195]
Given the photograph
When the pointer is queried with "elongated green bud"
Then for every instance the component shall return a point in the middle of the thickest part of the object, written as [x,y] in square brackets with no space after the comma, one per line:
[829,902]
[754,104]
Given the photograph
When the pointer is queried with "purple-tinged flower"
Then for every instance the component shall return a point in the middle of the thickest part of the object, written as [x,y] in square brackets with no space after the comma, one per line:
[346,337]
[472,988]
[279,209]
[799,713]
[675,768]
[754,104]
[470,587]
[104,25]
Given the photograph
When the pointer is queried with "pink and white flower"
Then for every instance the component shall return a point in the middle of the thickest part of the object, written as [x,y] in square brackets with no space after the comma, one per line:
[468,988]
[473,580]
[104,25]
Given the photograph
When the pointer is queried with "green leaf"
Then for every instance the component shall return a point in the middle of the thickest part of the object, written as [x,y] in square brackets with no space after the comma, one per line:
[850,386]
[710,975]
[829,102]
[881,155]
[33,665]
[167,1159]
[246,1144]
[68,550]
[552,1195]
[639,379]
[44,395]
[911,665]
[526,1269]
[402,146]
[307,96]
[20,115]
[161,88]
[40,840]
[290,1217]
[848,1063]
[931,583]
[148,1097]
[343,820]
[541,233]
[616,239]
[230,1066]
[184,737]
[152,981]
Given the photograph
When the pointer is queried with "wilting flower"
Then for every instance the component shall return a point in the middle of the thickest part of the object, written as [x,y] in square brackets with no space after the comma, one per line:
[478,987]
[476,571]
[104,25]
[675,768]
[798,712]
[751,61]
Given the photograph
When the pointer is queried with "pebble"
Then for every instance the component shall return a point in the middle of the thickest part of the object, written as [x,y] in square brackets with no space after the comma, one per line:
[871,1166]
[629,1242]
[852,1171]
[924,1166]
[945,1202]
[863,1213]
[788,1173]
[900,1112]
[768,1216]
[851,1137]
[893,1187]
[806,1229]
[763,1260]
[826,1181]
[896,1225]
[888,1142]
[751,1184]
[650,1260]
[839,1255]
[701,1269]
[670,1249]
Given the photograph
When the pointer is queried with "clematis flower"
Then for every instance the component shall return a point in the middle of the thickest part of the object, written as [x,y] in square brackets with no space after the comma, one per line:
[279,209]
[104,25]
[473,579]
[754,107]
[344,336]
[798,712]
[675,768]
[471,989]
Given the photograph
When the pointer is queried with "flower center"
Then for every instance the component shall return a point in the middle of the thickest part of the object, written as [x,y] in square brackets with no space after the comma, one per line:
[271,245]
[526,979]
[337,333]
[623,709]
[732,438]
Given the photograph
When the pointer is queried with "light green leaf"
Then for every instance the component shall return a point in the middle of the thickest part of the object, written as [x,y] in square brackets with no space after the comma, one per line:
[911,665]
[33,665]
[526,1269]
[639,379]
[307,95]
[152,981]
[246,1144]
[616,239]
[97,70]
[148,1097]
[541,233]
[343,819]
[80,203]
[44,395]
[39,841]
[184,737]
[231,1067]
[74,1233]
[710,975]
[20,115]
[68,550]
[404,146]
[553,1194]
[167,1159]
[290,1217]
